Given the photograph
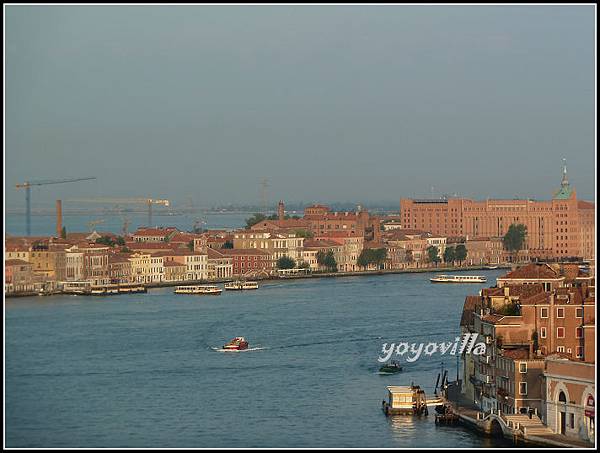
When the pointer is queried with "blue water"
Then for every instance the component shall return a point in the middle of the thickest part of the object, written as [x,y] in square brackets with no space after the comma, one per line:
[140,371]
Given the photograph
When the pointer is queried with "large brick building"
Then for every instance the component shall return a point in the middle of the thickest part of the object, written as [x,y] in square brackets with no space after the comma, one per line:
[558,228]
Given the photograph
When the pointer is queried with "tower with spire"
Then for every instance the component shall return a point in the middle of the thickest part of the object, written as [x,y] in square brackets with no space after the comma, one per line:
[566,191]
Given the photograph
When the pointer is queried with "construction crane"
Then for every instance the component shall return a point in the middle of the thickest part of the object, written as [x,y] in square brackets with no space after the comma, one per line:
[117,201]
[93,223]
[27,186]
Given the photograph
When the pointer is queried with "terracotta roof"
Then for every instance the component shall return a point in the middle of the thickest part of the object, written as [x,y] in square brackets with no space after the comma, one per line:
[472,304]
[320,244]
[582,204]
[515,354]
[532,271]
[134,245]
[154,231]
[233,252]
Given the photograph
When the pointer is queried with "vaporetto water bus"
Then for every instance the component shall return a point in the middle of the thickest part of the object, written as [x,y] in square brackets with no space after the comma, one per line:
[210,290]
[239,285]
[458,279]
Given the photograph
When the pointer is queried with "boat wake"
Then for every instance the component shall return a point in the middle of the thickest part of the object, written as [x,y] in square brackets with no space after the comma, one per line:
[237,350]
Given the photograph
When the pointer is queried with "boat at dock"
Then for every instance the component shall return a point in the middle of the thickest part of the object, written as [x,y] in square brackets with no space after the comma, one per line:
[405,400]
[127,288]
[210,290]
[442,278]
[240,285]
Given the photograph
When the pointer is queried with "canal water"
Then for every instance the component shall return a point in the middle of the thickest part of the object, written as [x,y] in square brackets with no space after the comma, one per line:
[140,370]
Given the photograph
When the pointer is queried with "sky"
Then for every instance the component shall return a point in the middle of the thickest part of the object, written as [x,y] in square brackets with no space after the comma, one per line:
[329,103]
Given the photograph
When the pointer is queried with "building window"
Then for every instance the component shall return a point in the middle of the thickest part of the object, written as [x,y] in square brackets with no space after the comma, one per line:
[522,388]
[579,312]
[543,332]
[560,332]
[579,332]
[523,367]
[560,349]
[544,312]
[579,352]
[560,312]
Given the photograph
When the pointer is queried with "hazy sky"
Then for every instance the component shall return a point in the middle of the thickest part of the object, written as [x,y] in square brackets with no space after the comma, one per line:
[347,103]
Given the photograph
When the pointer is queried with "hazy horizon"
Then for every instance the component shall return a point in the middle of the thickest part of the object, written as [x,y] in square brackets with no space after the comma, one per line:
[330,103]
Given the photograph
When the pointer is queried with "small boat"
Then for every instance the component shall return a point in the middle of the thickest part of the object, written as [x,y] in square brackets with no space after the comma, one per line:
[98,291]
[237,344]
[210,290]
[390,368]
[492,267]
[458,279]
[405,400]
[239,285]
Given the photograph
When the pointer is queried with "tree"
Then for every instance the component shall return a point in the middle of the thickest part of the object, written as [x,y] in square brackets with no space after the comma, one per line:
[302,233]
[372,256]
[256,218]
[433,254]
[285,262]
[120,240]
[449,255]
[303,265]
[514,239]
[105,240]
[327,260]
[63,233]
[190,245]
[460,253]
[409,256]
[227,245]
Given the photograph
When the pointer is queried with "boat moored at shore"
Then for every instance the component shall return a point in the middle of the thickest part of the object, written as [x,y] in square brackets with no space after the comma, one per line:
[458,279]
[210,290]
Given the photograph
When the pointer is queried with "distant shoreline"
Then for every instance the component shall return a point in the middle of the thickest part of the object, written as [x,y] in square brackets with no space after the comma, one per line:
[296,277]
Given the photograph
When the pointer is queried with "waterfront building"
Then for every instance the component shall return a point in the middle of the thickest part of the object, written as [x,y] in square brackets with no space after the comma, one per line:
[570,392]
[486,251]
[556,229]
[321,221]
[249,262]
[120,268]
[312,247]
[535,312]
[278,243]
[351,247]
[48,261]
[95,263]
[220,265]
[408,247]
[18,276]
[74,258]
[174,271]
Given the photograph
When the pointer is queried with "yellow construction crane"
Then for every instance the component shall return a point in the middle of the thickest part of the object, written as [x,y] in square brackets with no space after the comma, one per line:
[27,186]
[147,201]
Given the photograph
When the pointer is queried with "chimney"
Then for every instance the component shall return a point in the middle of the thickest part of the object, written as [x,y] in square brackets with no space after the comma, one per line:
[58,218]
[281,210]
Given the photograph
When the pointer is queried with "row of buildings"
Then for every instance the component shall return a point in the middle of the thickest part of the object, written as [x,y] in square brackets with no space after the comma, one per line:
[560,228]
[538,324]
[557,229]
